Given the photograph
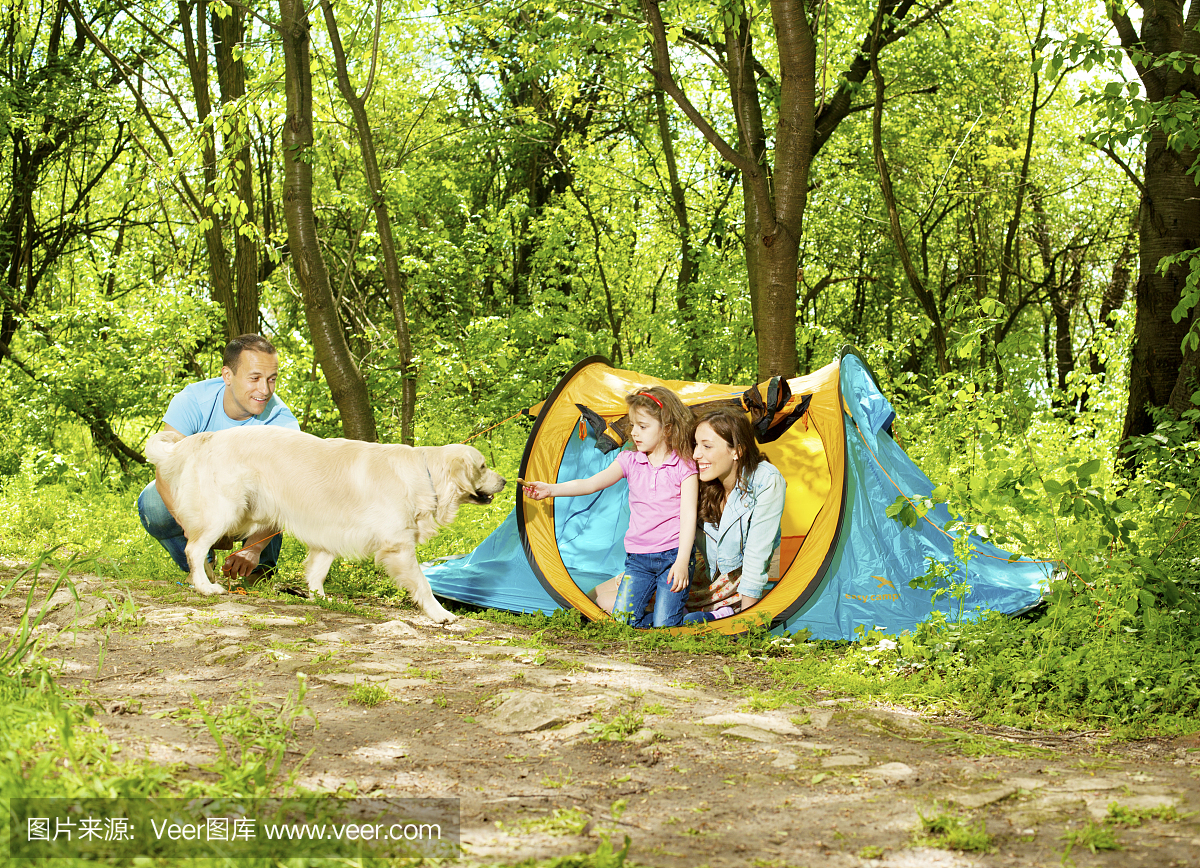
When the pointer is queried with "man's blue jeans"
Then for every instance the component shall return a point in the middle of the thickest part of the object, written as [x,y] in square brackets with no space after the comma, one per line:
[160,524]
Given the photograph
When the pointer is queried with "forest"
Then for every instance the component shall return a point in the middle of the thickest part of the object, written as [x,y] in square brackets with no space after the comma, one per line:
[435,210]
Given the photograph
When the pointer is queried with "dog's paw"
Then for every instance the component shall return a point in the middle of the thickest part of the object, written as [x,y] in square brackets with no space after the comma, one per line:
[211,589]
[316,593]
[441,616]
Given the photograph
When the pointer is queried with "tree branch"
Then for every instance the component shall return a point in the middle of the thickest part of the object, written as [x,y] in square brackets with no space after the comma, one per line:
[1129,173]
[661,71]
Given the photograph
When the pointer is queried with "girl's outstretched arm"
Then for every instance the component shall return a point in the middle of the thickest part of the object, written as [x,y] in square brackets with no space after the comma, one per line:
[606,477]
[689,493]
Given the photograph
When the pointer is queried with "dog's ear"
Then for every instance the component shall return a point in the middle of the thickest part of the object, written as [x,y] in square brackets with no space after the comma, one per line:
[463,471]
[450,469]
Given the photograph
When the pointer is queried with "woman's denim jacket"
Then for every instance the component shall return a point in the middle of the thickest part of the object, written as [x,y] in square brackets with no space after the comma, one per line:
[749,532]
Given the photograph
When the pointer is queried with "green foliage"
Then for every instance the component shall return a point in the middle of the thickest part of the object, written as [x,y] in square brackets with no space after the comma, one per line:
[950,579]
[96,520]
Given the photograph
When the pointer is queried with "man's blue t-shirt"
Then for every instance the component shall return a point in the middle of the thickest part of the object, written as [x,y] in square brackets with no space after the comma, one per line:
[199,407]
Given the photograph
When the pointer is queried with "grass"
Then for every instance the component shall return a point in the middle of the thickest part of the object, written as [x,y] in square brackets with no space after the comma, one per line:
[618,728]
[57,751]
[123,616]
[252,736]
[425,674]
[1093,837]
[369,695]
[1060,669]
[952,832]
[558,782]
[53,749]
[1119,815]
[771,699]
[559,822]
[977,744]
[604,856]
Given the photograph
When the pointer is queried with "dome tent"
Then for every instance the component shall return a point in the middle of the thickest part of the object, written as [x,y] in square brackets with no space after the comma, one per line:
[843,563]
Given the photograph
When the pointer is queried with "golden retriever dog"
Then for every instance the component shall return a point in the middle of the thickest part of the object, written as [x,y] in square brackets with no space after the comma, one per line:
[341,498]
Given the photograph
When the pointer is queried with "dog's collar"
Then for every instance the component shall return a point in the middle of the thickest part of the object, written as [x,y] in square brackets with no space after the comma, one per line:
[434,487]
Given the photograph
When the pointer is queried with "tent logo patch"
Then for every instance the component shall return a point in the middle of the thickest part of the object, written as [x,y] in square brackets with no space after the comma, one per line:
[883,582]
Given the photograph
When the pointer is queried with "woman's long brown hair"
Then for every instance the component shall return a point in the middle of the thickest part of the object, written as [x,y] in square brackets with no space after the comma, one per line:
[733,426]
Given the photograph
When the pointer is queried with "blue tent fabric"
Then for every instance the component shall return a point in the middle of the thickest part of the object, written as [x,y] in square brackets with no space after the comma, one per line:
[591,529]
[591,539]
[866,582]
[875,557]
[494,576]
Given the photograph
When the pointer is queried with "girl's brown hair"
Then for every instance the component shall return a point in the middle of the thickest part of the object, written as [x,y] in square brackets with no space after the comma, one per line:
[733,426]
[665,406]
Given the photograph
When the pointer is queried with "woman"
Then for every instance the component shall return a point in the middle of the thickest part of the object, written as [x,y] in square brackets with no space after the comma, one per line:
[741,505]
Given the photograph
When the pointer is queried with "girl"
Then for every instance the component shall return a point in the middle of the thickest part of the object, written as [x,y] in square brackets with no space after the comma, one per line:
[741,505]
[662,506]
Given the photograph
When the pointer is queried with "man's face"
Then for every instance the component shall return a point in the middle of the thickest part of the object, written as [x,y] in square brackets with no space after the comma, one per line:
[248,389]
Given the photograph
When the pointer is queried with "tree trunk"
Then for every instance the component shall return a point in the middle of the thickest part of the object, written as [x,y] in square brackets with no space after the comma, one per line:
[1008,264]
[1063,299]
[1113,300]
[346,382]
[220,271]
[775,196]
[242,316]
[1161,375]
[687,255]
[383,223]
[927,300]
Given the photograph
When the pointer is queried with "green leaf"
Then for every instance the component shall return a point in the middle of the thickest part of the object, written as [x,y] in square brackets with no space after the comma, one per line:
[1086,471]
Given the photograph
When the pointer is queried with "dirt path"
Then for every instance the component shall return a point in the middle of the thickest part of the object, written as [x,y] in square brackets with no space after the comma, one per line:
[481,713]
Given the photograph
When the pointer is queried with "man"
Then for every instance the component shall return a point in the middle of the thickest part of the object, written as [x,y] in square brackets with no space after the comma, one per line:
[244,394]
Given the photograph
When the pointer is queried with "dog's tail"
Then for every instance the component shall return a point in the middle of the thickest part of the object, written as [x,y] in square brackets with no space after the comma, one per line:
[161,445]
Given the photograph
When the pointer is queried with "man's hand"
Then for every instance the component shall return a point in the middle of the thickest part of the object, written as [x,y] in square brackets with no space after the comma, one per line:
[241,563]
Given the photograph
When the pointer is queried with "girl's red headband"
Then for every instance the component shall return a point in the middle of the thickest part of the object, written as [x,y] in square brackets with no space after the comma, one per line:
[654,399]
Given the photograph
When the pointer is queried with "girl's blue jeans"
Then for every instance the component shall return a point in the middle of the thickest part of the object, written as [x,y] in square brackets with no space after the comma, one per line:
[648,574]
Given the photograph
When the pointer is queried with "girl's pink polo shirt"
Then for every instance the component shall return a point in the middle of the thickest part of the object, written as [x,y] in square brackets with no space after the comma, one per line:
[653,500]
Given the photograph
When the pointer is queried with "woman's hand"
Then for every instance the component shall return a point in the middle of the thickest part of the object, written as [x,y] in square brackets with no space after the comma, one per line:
[680,577]
[537,490]
[747,602]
